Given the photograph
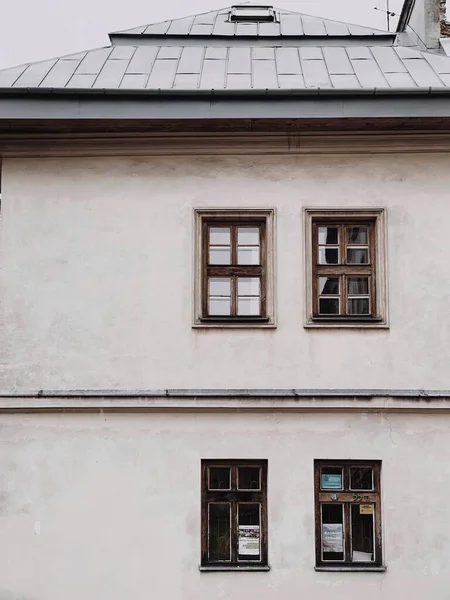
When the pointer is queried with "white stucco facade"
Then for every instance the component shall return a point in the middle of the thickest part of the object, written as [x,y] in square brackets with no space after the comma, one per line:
[106,506]
[96,292]
[96,273]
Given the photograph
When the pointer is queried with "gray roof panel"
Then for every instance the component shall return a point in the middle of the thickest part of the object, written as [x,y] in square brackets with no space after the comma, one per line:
[134,81]
[93,62]
[191,59]
[369,73]
[313,26]
[264,74]
[388,59]
[291,25]
[180,26]
[213,74]
[288,61]
[291,82]
[337,61]
[422,73]
[143,59]
[111,75]
[9,76]
[269,66]
[216,23]
[34,74]
[60,74]
[239,60]
[316,74]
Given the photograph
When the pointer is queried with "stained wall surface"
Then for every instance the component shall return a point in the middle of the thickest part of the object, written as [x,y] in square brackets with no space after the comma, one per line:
[107,506]
[96,273]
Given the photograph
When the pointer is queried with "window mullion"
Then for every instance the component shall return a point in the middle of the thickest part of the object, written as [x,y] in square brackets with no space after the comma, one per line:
[347,532]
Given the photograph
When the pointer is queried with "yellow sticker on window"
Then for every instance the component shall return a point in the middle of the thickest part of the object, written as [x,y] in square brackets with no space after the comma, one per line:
[366,509]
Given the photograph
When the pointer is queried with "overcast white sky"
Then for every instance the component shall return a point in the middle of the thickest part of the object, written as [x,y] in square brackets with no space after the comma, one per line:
[32,30]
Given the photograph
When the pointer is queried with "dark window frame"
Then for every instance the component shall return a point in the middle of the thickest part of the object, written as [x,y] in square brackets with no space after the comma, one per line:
[343,270]
[348,497]
[234,270]
[234,496]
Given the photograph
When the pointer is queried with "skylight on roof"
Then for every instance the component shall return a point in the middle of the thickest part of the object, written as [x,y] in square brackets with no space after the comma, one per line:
[249,12]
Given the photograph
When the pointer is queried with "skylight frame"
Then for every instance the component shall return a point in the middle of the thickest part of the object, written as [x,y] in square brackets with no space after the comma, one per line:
[257,13]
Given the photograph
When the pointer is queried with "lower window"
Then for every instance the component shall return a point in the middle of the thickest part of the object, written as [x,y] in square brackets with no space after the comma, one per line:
[348,514]
[234,513]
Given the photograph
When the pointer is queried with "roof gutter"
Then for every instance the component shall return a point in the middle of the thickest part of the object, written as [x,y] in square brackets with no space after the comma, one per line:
[241,94]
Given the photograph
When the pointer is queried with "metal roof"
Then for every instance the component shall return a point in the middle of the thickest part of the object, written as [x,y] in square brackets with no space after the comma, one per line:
[217,23]
[245,68]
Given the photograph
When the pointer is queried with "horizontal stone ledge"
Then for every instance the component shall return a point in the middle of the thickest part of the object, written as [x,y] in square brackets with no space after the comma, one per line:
[231,400]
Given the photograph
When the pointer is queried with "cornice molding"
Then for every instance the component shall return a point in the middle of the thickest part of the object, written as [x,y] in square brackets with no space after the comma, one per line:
[59,145]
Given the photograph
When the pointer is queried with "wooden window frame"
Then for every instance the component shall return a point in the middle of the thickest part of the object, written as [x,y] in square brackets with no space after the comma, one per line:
[349,497]
[234,496]
[233,218]
[375,269]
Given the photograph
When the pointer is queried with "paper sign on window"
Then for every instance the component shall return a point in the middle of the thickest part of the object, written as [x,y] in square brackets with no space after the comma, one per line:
[366,509]
[331,482]
[249,540]
[332,537]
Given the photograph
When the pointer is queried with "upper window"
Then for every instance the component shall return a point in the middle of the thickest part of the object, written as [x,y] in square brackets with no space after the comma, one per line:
[346,267]
[235,270]
[348,514]
[252,13]
[234,514]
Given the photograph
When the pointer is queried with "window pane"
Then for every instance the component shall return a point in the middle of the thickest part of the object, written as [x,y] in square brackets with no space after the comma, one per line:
[219,478]
[332,531]
[249,478]
[329,285]
[248,236]
[357,235]
[361,478]
[219,306]
[357,256]
[328,256]
[248,306]
[328,235]
[248,286]
[219,255]
[220,286]
[358,286]
[248,255]
[219,531]
[331,478]
[329,306]
[362,532]
[358,306]
[249,531]
[219,236]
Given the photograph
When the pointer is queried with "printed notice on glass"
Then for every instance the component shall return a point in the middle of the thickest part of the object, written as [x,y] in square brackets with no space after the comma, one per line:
[332,537]
[331,482]
[249,540]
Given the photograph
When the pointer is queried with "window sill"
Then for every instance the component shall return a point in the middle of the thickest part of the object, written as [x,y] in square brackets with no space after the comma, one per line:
[234,568]
[330,322]
[236,322]
[351,569]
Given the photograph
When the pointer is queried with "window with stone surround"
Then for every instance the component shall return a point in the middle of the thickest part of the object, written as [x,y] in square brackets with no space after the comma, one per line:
[234,515]
[345,267]
[348,515]
[234,268]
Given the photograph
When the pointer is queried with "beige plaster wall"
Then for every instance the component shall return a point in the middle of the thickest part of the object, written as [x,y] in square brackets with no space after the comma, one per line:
[96,273]
[107,506]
